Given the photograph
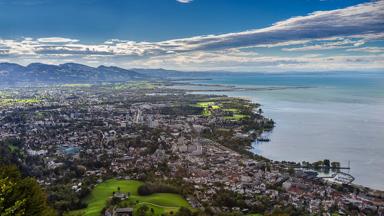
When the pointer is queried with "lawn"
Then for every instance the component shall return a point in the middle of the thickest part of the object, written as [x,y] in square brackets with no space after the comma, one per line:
[163,199]
[235,114]
[158,210]
[11,102]
[206,105]
[236,117]
[160,202]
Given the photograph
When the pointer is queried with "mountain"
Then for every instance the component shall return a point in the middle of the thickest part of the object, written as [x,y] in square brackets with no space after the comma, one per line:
[64,73]
[119,73]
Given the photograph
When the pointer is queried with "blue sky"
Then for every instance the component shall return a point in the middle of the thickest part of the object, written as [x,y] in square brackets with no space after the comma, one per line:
[236,35]
[154,20]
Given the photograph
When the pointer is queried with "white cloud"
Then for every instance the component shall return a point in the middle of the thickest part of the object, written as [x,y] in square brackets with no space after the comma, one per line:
[362,22]
[56,40]
[184,1]
[362,19]
[368,49]
[337,43]
[347,29]
[240,61]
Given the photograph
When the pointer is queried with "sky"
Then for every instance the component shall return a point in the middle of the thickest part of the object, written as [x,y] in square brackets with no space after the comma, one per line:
[196,35]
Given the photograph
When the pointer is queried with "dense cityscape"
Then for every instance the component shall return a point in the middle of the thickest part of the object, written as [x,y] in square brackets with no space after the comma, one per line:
[73,137]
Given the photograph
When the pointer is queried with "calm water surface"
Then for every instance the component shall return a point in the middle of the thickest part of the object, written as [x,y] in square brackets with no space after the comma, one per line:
[341,118]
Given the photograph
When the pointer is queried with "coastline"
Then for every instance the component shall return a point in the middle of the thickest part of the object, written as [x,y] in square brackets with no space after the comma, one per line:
[237,92]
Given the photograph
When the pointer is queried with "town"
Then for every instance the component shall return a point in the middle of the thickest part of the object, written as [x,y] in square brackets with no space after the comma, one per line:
[73,137]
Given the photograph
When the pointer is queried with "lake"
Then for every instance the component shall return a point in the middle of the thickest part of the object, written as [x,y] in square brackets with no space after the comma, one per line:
[340,116]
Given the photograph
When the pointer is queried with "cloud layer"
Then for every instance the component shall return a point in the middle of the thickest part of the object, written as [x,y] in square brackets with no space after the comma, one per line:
[347,30]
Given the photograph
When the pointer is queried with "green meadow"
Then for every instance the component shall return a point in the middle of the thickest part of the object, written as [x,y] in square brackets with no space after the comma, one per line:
[161,203]
[209,106]
[11,102]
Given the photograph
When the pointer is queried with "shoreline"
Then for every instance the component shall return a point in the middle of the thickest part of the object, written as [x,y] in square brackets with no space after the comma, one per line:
[233,88]
[226,88]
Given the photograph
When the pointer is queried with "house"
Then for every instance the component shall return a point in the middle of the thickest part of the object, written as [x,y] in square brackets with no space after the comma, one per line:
[123,212]
[121,196]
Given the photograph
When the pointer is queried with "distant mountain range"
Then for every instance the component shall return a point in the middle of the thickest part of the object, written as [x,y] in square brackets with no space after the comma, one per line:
[65,73]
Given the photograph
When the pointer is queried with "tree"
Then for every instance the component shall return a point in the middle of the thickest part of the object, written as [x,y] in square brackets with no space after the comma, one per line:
[21,196]
[327,163]
[229,199]
[260,111]
[142,210]
[115,200]
[63,198]
[291,170]
[183,211]
[318,164]
[335,165]
[16,208]
[10,152]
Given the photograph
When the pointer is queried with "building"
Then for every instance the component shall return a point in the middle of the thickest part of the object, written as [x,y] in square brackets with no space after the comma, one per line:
[123,212]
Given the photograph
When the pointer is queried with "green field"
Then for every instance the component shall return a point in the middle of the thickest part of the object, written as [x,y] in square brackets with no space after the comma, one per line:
[11,102]
[208,106]
[162,203]
[236,117]
[235,114]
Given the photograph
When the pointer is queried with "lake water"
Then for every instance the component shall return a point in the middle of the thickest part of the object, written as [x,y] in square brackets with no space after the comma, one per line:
[340,117]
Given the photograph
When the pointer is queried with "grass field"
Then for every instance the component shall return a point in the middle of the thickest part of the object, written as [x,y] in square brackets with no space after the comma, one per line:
[11,102]
[162,203]
[236,114]
[236,117]
[208,106]
[158,210]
